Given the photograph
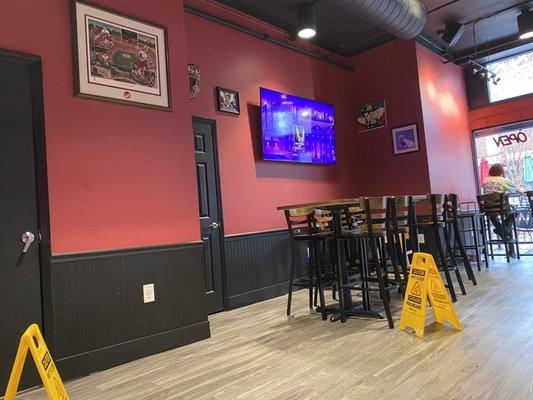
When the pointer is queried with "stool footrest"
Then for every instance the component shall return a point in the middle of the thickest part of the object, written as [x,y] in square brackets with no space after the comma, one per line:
[356,286]
[307,282]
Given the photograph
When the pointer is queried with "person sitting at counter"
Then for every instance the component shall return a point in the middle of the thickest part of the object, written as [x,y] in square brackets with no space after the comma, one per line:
[496,182]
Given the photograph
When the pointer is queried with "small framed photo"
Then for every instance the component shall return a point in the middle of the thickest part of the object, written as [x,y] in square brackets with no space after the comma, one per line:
[371,116]
[228,101]
[119,58]
[405,139]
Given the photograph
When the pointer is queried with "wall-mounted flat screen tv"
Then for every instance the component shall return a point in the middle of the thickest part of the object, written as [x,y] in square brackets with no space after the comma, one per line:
[296,129]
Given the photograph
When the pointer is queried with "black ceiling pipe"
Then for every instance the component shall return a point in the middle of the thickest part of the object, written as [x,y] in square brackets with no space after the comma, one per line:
[404,19]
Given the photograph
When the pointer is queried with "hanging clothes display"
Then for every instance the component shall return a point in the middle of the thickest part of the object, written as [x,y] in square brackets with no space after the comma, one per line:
[528,169]
[483,170]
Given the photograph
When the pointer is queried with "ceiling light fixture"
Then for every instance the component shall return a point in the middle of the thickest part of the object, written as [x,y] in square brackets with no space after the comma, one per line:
[525,24]
[306,21]
[483,73]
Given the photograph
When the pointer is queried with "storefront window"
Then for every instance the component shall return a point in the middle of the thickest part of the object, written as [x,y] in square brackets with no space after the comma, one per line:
[511,146]
[516,77]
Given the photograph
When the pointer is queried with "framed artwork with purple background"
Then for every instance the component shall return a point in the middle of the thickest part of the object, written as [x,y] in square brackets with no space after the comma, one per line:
[405,139]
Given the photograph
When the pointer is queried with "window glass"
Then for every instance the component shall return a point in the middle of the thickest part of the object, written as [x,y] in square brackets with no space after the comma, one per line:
[511,146]
[516,74]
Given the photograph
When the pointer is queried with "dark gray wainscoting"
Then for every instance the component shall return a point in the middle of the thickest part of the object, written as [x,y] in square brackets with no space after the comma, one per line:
[257,266]
[100,319]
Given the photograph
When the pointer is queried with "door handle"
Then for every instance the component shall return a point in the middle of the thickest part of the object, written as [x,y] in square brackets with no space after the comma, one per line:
[27,238]
[214,225]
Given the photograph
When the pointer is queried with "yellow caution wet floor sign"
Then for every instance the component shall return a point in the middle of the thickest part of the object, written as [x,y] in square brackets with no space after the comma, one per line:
[425,282]
[33,340]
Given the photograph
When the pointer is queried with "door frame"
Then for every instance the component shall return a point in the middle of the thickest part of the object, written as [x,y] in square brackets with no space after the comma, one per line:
[474,159]
[222,235]
[41,179]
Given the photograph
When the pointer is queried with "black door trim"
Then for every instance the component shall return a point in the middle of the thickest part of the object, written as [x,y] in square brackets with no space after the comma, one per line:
[220,213]
[41,178]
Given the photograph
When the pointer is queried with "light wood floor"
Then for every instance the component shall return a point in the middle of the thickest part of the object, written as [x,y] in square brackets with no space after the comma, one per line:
[257,352]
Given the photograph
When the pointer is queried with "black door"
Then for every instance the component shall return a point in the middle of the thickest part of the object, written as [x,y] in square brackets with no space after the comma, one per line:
[210,211]
[20,273]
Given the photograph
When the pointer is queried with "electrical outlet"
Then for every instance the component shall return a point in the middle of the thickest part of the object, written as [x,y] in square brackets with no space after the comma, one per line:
[149,293]
[421,238]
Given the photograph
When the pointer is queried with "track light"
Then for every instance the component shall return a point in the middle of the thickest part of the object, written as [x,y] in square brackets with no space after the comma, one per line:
[483,73]
[525,25]
[306,21]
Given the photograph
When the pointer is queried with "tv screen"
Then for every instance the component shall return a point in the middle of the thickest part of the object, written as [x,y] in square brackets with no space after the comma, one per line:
[295,129]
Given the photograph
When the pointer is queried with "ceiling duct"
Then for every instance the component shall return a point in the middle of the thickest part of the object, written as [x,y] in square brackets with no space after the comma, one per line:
[404,19]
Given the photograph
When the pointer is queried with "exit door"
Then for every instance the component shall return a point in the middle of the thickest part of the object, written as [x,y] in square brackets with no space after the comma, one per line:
[23,204]
[210,210]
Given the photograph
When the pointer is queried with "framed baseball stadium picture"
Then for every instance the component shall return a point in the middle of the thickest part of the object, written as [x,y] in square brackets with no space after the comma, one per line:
[118,58]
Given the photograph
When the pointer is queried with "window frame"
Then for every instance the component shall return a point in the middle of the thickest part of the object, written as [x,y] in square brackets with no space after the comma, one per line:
[489,131]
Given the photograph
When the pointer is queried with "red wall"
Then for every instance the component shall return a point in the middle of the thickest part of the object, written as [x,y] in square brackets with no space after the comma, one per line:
[500,114]
[389,73]
[119,176]
[123,176]
[251,188]
[445,111]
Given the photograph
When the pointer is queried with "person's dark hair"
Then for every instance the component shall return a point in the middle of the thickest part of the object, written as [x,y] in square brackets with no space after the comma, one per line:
[496,170]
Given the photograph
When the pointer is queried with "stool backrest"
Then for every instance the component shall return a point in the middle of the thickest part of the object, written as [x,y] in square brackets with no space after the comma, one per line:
[376,215]
[435,207]
[399,207]
[300,221]
[493,203]
[323,220]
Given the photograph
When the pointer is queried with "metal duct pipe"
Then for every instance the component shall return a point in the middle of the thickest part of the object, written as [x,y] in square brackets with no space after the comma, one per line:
[404,19]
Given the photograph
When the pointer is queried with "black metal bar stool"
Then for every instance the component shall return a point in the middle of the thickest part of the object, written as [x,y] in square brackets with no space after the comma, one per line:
[496,207]
[436,223]
[451,213]
[472,232]
[372,227]
[303,229]
[399,208]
